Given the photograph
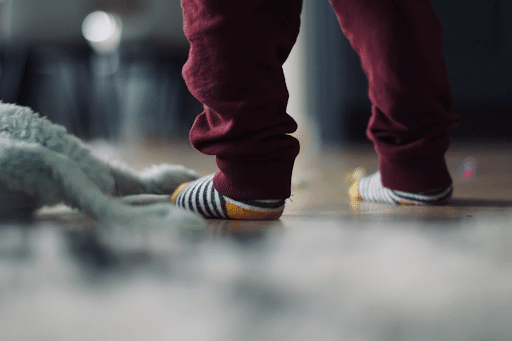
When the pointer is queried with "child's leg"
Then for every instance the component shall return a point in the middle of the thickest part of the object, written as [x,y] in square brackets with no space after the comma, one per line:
[399,43]
[237,49]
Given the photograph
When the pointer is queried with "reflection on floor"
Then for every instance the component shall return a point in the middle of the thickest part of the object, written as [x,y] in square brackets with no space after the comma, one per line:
[327,270]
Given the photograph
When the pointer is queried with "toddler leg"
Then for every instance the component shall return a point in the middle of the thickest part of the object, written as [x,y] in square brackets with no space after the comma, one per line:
[237,49]
[400,47]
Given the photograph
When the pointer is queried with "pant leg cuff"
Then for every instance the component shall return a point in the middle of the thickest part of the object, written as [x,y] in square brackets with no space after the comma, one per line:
[415,175]
[270,179]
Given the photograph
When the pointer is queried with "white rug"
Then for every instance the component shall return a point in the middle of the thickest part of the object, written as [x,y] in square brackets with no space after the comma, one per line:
[354,280]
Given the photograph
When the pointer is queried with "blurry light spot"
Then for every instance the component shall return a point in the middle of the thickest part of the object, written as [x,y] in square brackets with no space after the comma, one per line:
[99,26]
[467,169]
[103,31]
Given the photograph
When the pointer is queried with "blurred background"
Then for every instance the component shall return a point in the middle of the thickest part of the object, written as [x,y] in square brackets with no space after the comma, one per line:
[118,75]
[101,76]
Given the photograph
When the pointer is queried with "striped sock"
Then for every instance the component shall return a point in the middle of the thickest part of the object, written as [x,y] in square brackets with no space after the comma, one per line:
[201,197]
[370,189]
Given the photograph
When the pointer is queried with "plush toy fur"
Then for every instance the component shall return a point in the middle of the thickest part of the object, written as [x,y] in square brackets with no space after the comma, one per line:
[42,165]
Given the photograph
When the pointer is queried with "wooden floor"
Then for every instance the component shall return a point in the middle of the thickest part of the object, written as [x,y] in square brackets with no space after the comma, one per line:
[327,270]
[482,175]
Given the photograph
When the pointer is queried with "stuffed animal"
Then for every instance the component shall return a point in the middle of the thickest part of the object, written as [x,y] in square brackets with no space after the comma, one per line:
[42,165]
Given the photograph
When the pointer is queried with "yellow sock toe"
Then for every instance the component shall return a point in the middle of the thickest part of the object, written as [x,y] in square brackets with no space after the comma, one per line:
[177,192]
[242,213]
[353,192]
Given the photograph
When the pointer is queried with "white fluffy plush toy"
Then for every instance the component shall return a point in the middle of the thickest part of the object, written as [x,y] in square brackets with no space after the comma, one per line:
[42,165]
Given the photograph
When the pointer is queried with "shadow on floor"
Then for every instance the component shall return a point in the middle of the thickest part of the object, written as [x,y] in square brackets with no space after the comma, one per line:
[480,202]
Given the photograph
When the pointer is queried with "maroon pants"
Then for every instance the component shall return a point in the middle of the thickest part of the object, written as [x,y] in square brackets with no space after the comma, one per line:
[237,49]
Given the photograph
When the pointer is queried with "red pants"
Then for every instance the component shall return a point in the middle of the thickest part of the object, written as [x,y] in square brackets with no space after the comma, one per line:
[237,49]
